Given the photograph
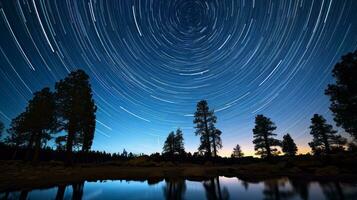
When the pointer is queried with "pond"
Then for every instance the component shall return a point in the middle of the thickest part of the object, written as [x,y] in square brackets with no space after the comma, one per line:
[215,188]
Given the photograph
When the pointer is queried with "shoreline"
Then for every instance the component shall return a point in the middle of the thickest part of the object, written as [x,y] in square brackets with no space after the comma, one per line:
[17,175]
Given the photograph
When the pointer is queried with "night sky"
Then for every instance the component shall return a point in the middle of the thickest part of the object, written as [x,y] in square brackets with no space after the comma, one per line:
[151,61]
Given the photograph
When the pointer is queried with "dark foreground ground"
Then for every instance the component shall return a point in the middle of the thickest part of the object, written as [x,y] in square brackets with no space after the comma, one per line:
[16,175]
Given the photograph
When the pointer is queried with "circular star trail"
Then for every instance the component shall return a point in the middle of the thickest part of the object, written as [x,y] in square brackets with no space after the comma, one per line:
[151,61]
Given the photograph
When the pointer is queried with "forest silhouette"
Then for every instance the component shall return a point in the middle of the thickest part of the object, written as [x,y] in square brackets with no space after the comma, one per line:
[67,116]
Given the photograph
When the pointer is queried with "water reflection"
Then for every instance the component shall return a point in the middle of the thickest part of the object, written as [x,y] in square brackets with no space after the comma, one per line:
[218,188]
[60,192]
[274,189]
[175,189]
[301,188]
[335,190]
[213,190]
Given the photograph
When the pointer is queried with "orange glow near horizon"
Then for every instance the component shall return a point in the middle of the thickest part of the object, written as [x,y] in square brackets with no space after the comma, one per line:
[227,153]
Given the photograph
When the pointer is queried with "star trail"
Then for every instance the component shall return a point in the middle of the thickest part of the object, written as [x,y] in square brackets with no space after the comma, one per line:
[151,61]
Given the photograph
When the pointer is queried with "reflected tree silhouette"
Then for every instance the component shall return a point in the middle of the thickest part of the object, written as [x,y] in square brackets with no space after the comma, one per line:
[301,188]
[154,181]
[332,191]
[5,195]
[213,190]
[24,194]
[77,190]
[174,189]
[60,192]
[245,184]
[273,191]
[336,190]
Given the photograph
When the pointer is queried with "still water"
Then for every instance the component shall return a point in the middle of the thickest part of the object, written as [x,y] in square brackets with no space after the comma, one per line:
[215,188]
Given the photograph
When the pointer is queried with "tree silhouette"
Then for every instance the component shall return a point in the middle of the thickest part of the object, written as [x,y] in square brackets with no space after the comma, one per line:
[301,188]
[41,119]
[18,133]
[24,194]
[75,110]
[288,145]
[60,142]
[263,137]
[174,189]
[179,145]
[174,143]
[337,190]
[237,152]
[124,153]
[344,92]
[169,145]
[60,192]
[209,135]
[324,136]
[216,140]
[1,128]
[245,184]
[88,120]
[213,190]
[272,190]
[77,190]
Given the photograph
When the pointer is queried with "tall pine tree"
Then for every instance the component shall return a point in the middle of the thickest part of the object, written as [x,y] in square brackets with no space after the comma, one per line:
[263,137]
[205,127]
[343,94]
[324,136]
[216,140]
[179,145]
[42,121]
[34,126]
[169,145]
[75,110]
[88,121]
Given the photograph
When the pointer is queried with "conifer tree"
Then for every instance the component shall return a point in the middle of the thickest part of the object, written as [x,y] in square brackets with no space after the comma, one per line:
[205,127]
[216,140]
[324,136]
[75,110]
[264,137]
[237,152]
[124,153]
[174,143]
[179,145]
[18,133]
[169,145]
[41,118]
[288,145]
[343,94]
[34,126]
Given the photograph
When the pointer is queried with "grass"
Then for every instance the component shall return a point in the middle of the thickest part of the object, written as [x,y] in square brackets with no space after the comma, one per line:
[17,175]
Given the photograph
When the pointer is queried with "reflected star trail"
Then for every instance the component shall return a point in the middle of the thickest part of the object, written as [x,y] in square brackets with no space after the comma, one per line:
[151,61]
